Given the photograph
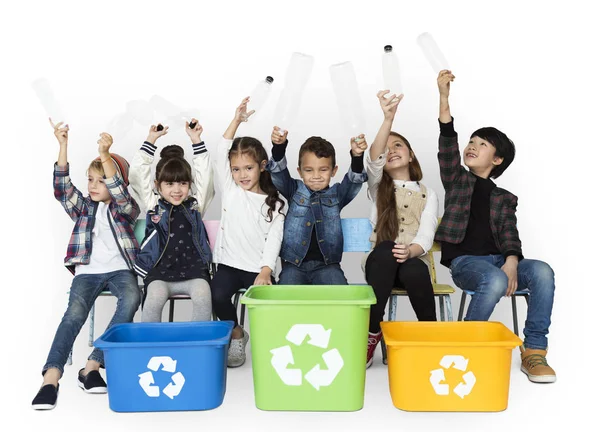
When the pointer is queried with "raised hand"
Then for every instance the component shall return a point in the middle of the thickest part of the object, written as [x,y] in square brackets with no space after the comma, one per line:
[389,105]
[445,77]
[277,137]
[61,133]
[155,132]
[358,145]
[194,132]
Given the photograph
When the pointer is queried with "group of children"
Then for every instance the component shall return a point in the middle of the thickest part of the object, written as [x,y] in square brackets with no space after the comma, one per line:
[478,231]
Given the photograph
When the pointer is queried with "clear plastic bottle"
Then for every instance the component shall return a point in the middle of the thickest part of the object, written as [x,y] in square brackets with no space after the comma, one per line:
[45,94]
[391,71]
[296,78]
[259,96]
[432,52]
[345,88]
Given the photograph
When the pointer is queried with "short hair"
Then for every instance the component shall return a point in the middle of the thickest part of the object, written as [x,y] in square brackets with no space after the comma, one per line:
[505,148]
[320,147]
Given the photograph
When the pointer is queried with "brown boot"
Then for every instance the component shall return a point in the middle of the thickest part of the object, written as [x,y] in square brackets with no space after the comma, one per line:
[535,366]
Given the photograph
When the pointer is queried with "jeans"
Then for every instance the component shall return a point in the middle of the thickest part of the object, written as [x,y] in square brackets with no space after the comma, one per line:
[84,291]
[311,273]
[484,276]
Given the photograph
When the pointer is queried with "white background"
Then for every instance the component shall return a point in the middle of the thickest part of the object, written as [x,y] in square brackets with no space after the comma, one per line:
[528,68]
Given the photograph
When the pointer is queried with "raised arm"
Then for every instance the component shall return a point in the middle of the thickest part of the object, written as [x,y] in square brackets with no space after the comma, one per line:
[140,173]
[64,191]
[448,151]
[277,165]
[356,175]
[203,185]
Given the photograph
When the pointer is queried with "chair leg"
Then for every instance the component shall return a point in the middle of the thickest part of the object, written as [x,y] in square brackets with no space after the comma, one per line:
[393,308]
[461,308]
[171,309]
[92,318]
[383,351]
[448,302]
[442,309]
[514,313]
[243,313]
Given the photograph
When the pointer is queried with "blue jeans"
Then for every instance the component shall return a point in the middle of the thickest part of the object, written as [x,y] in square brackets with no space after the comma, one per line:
[484,276]
[84,291]
[311,273]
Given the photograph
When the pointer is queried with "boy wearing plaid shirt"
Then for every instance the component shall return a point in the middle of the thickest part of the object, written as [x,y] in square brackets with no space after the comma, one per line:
[479,237]
[101,253]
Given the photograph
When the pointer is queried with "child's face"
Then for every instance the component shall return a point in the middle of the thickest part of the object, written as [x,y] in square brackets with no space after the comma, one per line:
[398,155]
[246,171]
[174,192]
[96,187]
[480,157]
[316,172]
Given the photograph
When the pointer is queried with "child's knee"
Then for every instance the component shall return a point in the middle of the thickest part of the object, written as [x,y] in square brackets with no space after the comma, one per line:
[496,283]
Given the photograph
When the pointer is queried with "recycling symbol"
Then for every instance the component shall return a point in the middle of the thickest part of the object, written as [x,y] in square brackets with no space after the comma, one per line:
[168,365]
[437,376]
[316,377]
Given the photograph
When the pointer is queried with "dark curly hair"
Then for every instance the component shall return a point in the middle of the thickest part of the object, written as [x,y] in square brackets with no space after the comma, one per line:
[320,147]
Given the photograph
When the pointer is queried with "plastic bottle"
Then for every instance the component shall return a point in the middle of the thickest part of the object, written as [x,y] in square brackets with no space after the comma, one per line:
[259,95]
[345,87]
[432,52]
[296,78]
[44,92]
[391,71]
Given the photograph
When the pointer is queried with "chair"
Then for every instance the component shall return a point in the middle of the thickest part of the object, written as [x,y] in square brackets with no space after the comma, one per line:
[513,298]
[356,233]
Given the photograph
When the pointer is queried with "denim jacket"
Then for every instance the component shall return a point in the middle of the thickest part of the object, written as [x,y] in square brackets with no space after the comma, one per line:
[320,209]
[157,235]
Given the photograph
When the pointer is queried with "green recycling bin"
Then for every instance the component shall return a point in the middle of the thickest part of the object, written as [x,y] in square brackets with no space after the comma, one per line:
[309,346]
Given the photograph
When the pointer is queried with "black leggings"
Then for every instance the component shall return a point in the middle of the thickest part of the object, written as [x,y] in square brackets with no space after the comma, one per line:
[383,273]
[224,285]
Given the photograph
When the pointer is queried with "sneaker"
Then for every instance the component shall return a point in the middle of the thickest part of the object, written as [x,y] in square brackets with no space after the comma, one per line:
[236,356]
[535,366]
[374,339]
[45,399]
[92,382]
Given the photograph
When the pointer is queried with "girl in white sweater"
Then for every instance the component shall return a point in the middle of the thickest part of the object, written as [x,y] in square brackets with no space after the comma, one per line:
[249,239]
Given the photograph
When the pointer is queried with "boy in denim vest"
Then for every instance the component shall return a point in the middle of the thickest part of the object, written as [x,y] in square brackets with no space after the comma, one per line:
[312,236]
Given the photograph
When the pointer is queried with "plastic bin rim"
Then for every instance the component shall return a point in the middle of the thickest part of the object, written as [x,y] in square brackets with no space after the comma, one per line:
[370,299]
[102,343]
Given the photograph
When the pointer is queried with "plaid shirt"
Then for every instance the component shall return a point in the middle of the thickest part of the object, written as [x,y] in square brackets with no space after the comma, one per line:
[459,184]
[123,211]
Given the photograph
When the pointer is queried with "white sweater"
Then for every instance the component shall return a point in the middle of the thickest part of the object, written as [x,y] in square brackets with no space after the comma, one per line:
[429,217]
[246,240]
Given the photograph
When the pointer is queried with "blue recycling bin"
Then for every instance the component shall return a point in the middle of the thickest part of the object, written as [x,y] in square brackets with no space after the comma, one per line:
[178,366]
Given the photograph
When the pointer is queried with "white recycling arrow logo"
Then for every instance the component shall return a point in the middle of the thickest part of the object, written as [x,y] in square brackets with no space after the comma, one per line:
[317,377]
[459,363]
[168,365]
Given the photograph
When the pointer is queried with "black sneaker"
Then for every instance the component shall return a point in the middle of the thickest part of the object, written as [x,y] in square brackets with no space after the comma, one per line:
[92,382]
[46,398]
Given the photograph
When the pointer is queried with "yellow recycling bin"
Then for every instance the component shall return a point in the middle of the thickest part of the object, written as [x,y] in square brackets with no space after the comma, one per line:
[449,366]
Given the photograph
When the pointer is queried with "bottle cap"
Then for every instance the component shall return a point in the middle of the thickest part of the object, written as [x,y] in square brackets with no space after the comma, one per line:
[387,48]
[269,79]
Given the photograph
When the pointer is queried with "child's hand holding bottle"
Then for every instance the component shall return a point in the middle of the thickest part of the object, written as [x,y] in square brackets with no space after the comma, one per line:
[276,136]
[194,132]
[156,132]
[358,145]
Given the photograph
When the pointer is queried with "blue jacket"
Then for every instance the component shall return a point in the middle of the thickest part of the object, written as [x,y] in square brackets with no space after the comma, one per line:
[320,209]
[157,235]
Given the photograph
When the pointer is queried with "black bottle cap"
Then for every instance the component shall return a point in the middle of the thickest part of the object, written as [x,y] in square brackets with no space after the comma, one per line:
[159,127]
[269,79]
[387,48]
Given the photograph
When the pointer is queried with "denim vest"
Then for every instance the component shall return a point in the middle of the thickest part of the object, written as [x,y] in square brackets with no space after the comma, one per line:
[310,210]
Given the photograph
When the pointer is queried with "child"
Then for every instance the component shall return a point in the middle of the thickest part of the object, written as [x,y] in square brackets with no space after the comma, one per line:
[312,240]
[101,254]
[175,255]
[479,236]
[249,240]
[404,218]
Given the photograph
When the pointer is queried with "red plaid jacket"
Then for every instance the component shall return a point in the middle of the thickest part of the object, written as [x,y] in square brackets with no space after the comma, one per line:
[459,184]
